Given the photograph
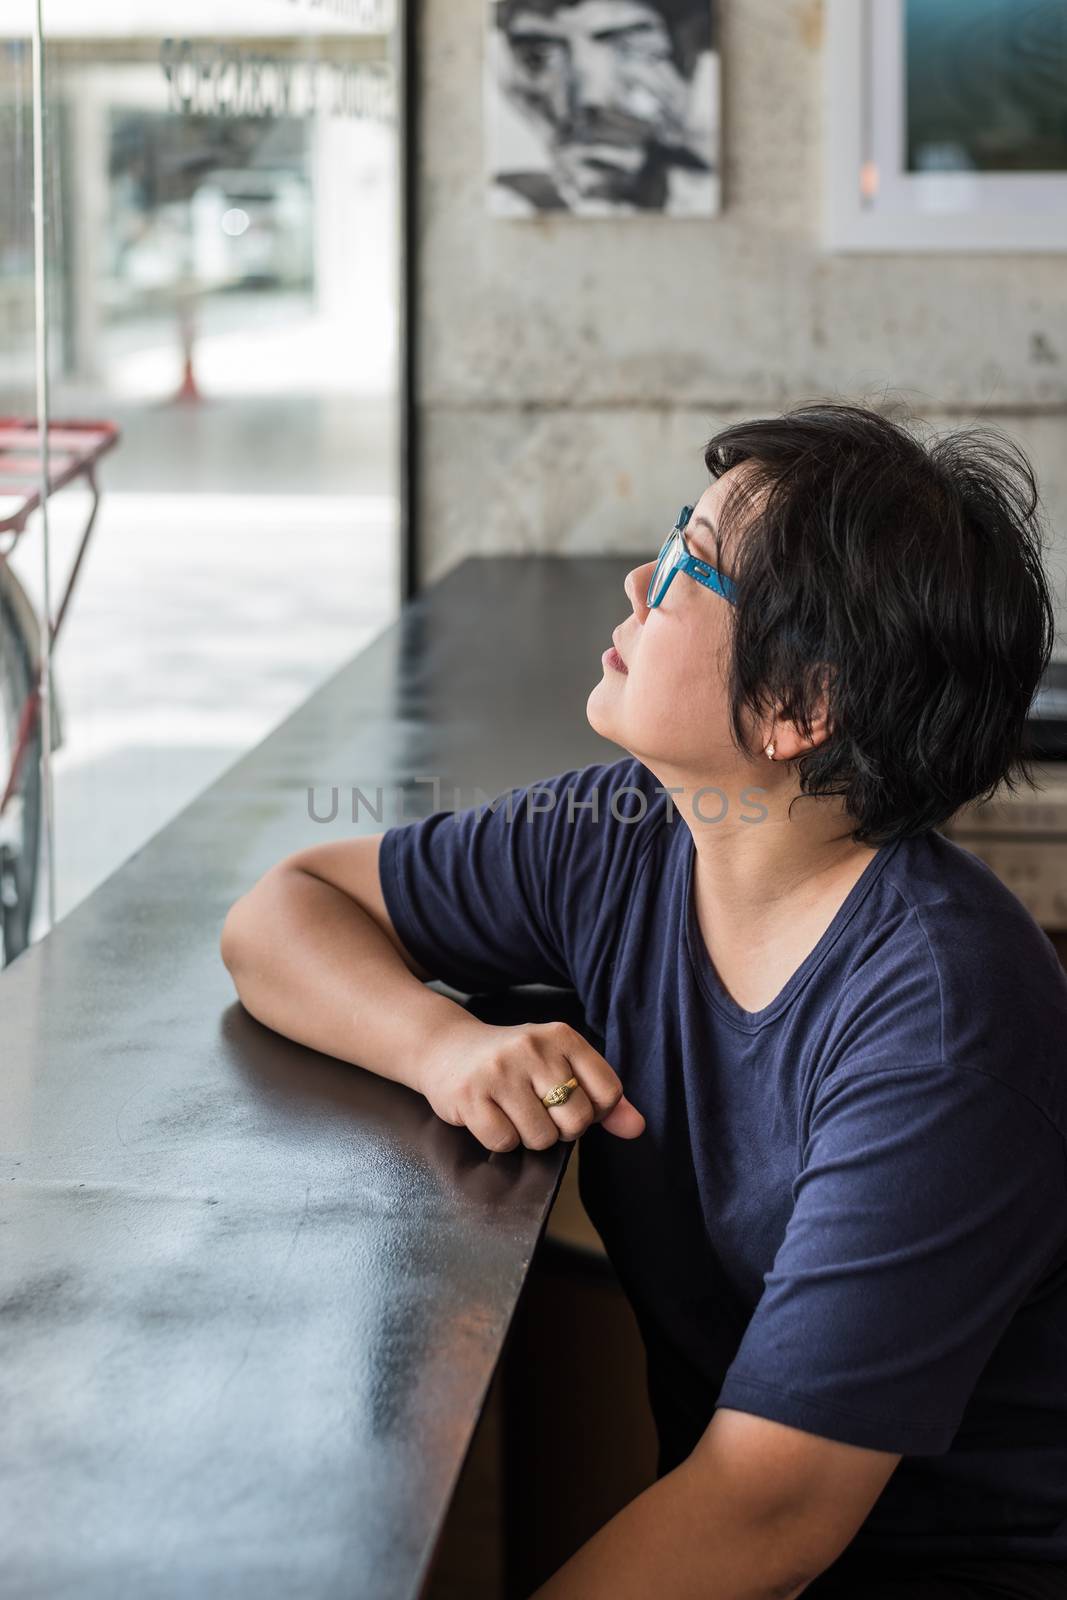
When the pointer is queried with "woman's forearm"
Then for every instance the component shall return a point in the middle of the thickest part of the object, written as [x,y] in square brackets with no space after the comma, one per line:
[309,962]
[688,1536]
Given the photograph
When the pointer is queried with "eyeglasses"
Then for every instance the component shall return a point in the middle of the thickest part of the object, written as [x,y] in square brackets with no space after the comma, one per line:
[676,556]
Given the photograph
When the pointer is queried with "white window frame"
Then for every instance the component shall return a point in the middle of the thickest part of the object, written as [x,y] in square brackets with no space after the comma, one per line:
[863,134]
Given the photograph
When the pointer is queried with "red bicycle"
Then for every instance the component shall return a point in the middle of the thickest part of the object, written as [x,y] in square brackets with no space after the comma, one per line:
[74,448]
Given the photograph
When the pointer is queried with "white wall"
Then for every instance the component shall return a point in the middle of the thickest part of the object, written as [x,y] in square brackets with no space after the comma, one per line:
[571,371]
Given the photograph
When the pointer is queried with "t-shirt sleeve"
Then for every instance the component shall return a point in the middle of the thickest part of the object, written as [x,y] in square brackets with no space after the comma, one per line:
[529,887]
[930,1203]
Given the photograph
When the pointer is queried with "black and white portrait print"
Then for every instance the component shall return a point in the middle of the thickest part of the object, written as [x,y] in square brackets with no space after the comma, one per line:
[602,107]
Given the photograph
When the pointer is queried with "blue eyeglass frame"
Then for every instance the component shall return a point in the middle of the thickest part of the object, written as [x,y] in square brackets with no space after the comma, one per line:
[687,562]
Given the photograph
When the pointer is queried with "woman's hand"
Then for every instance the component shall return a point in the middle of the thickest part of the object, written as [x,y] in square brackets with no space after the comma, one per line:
[490,1080]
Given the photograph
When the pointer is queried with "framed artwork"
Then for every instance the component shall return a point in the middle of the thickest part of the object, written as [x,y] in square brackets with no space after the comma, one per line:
[945,125]
[601,108]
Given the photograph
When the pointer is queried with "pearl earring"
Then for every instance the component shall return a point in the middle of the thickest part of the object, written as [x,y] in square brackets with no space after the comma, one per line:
[769,751]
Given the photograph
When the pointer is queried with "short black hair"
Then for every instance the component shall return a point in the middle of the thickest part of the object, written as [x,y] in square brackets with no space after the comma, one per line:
[690,23]
[901,575]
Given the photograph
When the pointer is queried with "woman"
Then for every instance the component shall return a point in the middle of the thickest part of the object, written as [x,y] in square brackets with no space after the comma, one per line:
[824,1142]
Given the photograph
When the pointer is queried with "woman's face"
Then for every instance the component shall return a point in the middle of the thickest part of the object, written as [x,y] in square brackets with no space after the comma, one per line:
[669,708]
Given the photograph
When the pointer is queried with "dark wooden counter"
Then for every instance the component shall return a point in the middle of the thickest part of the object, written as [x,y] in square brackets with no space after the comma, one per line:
[252,1298]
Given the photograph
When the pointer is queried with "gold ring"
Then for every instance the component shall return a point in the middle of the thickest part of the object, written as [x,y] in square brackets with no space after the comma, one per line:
[560,1094]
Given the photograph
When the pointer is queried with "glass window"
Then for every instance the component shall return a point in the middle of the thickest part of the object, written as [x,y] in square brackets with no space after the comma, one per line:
[222,271]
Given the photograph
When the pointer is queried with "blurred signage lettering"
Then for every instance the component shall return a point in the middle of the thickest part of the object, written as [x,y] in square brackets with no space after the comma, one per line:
[207,79]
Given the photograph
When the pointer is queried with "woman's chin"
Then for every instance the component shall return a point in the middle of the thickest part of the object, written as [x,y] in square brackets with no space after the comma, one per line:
[594,712]
[600,714]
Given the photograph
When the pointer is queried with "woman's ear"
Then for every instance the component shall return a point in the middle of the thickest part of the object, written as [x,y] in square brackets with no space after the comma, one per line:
[785,737]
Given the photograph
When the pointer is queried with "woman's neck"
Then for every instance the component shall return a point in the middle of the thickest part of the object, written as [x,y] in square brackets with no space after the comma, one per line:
[765,892]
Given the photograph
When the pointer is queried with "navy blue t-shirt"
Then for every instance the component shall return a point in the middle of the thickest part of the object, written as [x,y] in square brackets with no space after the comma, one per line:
[848,1210]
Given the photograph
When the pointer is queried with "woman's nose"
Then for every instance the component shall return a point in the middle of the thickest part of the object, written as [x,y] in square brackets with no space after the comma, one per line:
[636,586]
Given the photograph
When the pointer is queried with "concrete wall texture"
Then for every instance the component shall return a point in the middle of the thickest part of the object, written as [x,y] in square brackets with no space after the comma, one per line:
[570,371]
